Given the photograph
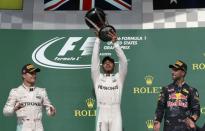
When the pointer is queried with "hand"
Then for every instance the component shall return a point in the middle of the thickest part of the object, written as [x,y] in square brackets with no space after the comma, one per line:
[156,125]
[113,35]
[190,123]
[52,111]
[18,106]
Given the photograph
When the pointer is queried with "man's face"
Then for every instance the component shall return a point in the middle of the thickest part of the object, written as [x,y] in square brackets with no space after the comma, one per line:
[108,67]
[177,74]
[30,77]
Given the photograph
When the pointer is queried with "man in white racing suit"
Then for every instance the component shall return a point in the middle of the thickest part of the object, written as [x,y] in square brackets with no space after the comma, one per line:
[108,87]
[27,101]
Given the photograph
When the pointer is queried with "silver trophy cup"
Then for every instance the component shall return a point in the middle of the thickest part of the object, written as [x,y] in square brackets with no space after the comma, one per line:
[96,19]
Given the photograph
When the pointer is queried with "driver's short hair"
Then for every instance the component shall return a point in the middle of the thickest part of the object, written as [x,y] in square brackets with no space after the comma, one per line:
[109,59]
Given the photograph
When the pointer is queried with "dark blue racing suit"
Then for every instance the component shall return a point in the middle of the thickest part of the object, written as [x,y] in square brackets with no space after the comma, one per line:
[175,104]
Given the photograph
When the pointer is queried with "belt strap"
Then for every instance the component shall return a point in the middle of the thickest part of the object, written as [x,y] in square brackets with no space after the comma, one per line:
[28,119]
[104,103]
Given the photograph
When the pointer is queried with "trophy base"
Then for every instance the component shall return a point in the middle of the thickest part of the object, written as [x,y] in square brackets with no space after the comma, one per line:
[103,33]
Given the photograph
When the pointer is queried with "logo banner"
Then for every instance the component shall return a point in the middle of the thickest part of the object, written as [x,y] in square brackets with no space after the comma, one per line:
[64,57]
[178,4]
[50,5]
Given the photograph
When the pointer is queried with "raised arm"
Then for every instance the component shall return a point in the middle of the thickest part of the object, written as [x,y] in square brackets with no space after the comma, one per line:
[122,58]
[122,61]
[95,63]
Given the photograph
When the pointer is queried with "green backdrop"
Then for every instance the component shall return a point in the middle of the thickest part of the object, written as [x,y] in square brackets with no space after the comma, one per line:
[149,53]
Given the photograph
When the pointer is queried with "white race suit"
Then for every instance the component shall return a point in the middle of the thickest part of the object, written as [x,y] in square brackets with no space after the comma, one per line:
[108,90]
[29,116]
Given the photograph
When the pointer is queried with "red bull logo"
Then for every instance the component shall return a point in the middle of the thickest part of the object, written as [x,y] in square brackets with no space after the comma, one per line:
[177,96]
[179,100]
[177,103]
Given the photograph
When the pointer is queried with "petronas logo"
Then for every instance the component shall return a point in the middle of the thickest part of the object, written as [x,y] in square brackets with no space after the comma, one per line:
[90,103]
[150,124]
[149,79]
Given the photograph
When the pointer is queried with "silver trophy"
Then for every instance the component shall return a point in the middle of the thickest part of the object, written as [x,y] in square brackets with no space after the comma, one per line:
[96,19]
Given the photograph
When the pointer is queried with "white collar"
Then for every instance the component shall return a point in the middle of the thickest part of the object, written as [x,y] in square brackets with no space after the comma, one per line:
[110,75]
[28,88]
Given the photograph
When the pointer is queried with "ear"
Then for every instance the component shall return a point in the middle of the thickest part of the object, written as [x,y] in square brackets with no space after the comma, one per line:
[183,73]
[23,76]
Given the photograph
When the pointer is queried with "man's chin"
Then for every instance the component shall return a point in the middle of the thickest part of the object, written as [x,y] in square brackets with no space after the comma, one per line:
[108,71]
[32,82]
[174,78]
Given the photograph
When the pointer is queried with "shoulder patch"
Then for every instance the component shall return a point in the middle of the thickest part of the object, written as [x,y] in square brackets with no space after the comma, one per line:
[185,90]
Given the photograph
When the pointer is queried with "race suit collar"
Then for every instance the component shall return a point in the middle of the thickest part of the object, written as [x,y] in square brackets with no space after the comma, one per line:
[28,88]
[108,75]
[183,83]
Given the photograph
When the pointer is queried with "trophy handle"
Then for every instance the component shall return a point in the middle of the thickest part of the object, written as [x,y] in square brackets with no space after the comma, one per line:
[93,24]
[101,20]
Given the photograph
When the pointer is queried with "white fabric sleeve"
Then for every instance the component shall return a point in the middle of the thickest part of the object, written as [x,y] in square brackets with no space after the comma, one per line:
[8,109]
[95,62]
[122,62]
[46,101]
